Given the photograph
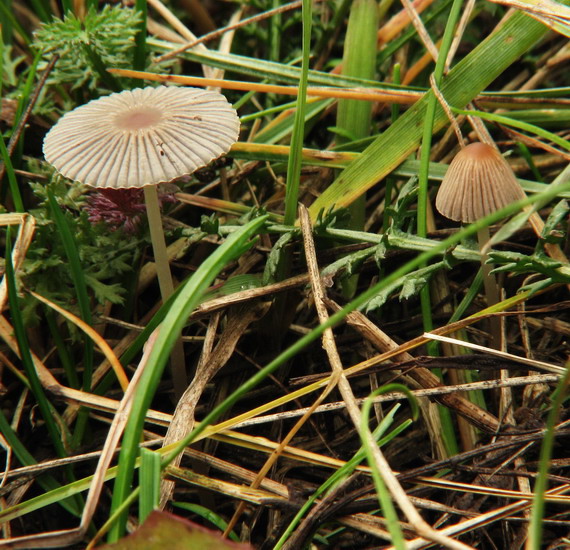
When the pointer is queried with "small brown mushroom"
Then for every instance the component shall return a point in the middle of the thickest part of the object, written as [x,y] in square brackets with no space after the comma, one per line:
[479,181]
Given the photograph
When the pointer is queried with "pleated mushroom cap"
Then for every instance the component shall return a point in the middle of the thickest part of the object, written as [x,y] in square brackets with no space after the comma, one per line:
[142,137]
[479,181]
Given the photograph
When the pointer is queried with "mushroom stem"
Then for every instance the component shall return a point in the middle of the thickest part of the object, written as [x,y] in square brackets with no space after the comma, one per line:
[158,241]
[164,275]
[490,285]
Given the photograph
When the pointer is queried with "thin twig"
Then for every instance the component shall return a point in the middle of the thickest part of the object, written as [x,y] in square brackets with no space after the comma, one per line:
[539,379]
[389,478]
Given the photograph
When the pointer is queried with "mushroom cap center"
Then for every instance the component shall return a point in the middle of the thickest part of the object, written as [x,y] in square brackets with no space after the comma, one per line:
[139,118]
[479,151]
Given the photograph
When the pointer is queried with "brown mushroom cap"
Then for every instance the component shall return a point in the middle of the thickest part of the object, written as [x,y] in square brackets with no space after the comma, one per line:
[142,137]
[479,181]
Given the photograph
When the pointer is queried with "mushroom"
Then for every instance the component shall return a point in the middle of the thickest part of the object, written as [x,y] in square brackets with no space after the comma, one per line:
[140,138]
[479,181]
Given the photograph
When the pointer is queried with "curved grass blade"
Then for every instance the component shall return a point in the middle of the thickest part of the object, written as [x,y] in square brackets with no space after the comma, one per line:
[77,275]
[149,476]
[186,300]
[344,471]
[25,355]
[521,125]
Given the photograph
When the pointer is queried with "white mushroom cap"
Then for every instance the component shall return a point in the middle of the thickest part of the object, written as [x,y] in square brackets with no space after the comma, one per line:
[479,181]
[142,137]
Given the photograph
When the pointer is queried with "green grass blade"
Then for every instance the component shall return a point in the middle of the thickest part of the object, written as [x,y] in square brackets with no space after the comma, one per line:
[10,21]
[67,6]
[508,121]
[62,351]
[535,540]
[139,55]
[41,9]
[294,163]
[276,131]
[187,299]
[468,78]
[276,72]
[36,388]
[344,471]
[353,116]
[382,492]
[46,482]
[12,182]
[149,482]
[25,354]
[208,515]
[78,278]
[359,60]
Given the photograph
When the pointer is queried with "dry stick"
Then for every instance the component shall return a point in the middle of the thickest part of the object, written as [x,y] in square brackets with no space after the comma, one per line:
[482,520]
[278,451]
[523,481]
[163,32]
[225,47]
[26,227]
[559,371]
[364,94]
[222,30]
[399,21]
[447,110]
[540,380]
[210,362]
[461,26]
[183,417]
[420,375]
[558,155]
[390,480]
[93,335]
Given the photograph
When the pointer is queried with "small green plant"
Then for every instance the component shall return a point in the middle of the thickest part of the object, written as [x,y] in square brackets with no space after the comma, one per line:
[107,255]
[86,47]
